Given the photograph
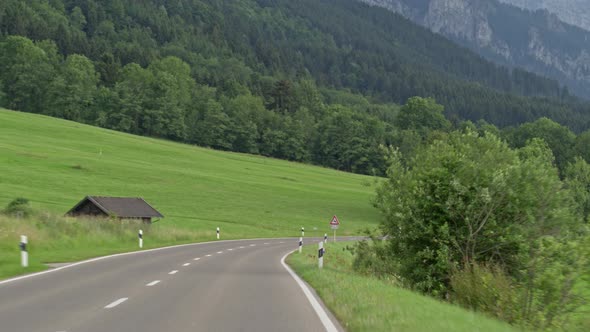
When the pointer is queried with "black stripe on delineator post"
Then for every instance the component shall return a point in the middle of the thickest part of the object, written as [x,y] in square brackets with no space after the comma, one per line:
[321,255]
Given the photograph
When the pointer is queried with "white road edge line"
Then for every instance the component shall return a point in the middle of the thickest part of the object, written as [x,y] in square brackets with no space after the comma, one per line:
[153,283]
[173,272]
[116,303]
[186,264]
[323,315]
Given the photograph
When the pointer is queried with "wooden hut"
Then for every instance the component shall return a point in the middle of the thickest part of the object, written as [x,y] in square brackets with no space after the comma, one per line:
[118,207]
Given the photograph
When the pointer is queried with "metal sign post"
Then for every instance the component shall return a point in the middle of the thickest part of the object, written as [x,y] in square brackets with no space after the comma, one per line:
[335,223]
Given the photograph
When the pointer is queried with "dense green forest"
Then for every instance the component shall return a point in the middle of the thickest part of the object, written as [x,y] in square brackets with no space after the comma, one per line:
[310,81]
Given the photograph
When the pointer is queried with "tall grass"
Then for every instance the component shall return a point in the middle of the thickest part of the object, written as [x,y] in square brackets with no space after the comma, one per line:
[54,239]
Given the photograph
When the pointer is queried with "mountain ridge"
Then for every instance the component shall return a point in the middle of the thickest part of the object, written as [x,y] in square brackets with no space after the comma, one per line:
[574,12]
[535,41]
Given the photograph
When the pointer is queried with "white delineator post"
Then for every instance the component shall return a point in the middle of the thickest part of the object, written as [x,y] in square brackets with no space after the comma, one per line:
[24,255]
[140,235]
[218,233]
[321,255]
[302,232]
[325,237]
[300,244]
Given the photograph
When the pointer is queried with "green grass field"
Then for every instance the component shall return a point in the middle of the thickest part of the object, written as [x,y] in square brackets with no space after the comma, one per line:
[367,304]
[55,163]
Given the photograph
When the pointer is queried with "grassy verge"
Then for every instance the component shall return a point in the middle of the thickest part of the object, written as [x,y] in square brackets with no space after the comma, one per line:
[367,304]
[56,239]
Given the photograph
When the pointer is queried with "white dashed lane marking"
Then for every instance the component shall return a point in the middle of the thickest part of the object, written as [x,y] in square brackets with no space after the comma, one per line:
[229,249]
[252,245]
[116,303]
[173,272]
[220,252]
[208,255]
[196,259]
[186,264]
[242,247]
[153,283]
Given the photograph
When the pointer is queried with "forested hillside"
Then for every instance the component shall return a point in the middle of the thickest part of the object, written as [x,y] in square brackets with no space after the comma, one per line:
[311,81]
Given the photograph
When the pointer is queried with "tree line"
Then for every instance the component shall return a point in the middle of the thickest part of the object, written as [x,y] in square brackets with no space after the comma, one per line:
[293,120]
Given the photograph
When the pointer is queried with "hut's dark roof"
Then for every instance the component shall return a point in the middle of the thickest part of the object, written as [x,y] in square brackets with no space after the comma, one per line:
[122,207]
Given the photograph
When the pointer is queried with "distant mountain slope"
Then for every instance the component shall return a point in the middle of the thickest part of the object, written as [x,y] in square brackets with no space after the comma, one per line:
[574,12]
[538,42]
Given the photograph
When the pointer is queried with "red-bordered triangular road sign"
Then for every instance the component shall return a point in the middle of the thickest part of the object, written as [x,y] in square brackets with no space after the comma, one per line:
[334,221]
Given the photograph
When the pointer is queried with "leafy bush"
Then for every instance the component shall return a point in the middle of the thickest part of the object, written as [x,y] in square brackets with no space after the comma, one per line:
[547,295]
[551,282]
[370,258]
[19,207]
[486,288]
[469,199]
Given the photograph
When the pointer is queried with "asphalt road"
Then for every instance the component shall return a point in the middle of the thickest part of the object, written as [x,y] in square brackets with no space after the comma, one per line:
[220,286]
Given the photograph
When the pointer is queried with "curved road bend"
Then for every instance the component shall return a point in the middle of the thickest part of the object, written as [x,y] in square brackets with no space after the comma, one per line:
[218,286]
